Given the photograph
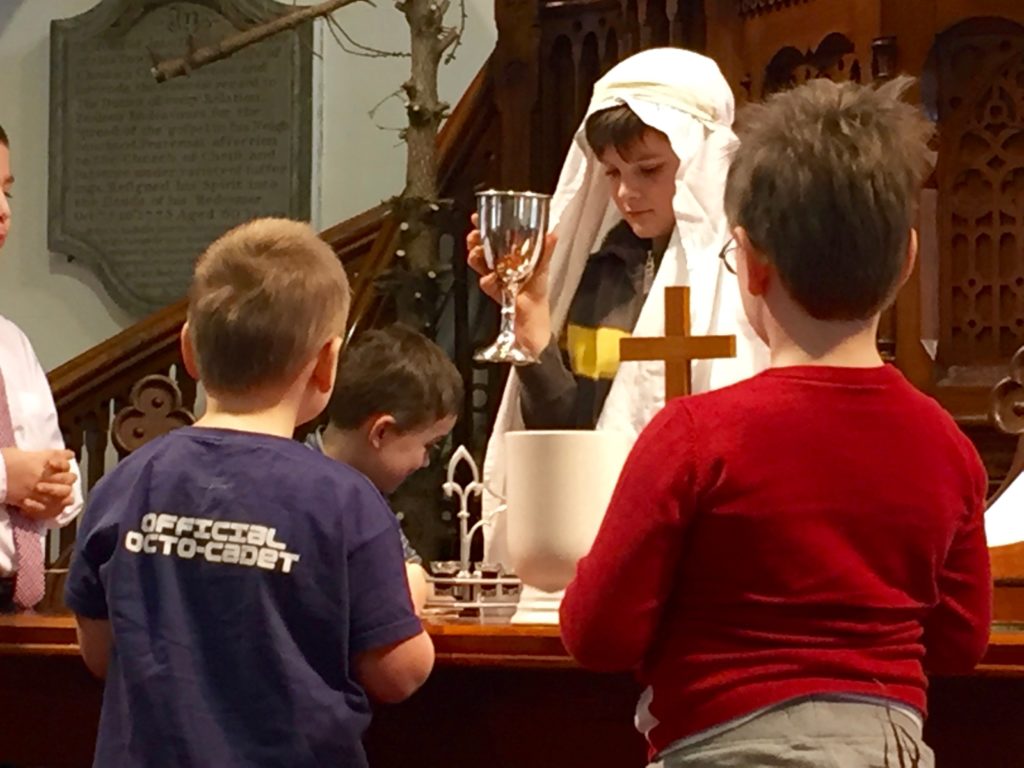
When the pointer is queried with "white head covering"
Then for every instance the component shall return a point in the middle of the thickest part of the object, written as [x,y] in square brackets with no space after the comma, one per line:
[685,96]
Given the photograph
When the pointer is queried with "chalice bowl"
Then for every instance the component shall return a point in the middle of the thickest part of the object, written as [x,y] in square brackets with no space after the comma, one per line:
[512,230]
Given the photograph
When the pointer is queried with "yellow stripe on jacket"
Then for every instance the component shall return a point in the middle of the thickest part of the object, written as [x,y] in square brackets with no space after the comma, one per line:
[594,352]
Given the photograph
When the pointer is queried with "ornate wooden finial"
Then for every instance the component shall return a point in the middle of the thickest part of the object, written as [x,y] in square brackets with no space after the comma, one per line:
[155,409]
[1008,398]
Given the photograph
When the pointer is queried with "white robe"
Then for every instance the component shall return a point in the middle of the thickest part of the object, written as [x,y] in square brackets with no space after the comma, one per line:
[685,96]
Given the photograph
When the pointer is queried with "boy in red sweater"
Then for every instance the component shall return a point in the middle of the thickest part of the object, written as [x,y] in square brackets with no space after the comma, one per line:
[785,559]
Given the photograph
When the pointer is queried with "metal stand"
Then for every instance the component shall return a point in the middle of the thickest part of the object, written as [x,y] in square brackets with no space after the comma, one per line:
[480,590]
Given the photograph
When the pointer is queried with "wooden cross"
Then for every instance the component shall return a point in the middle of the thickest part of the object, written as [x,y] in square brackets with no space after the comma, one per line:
[677,347]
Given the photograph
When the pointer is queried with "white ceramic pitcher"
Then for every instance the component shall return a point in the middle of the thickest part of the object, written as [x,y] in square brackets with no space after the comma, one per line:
[558,485]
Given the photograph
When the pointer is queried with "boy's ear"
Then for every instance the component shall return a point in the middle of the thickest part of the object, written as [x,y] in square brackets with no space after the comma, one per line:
[188,354]
[758,269]
[326,368]
[379,427]
[910,258]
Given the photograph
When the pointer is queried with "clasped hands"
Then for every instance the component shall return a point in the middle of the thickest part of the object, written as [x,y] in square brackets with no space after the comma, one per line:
[39,483]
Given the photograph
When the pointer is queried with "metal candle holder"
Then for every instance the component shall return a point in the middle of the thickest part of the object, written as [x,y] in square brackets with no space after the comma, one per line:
[479,589]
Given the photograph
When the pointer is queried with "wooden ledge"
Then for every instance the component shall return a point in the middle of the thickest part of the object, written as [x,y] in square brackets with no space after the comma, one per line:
[457,643]
[1008,564]
[37,635]
[464,643]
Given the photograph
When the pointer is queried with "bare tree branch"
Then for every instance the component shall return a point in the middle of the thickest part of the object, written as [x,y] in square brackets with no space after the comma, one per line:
[463,17]
[200,57]
[396,94]
[305,46]
[359,49]
[447,38]
[334,34]
[414,281]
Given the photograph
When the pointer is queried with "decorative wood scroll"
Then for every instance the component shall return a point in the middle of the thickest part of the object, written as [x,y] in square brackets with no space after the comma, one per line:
[1008,561]
[156,408]
[1008,412]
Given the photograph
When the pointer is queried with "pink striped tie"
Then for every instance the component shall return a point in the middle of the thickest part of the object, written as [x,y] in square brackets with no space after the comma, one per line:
[28,546]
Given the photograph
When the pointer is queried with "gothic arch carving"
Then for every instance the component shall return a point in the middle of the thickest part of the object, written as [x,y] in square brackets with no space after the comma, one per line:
[835,58]
[974,86]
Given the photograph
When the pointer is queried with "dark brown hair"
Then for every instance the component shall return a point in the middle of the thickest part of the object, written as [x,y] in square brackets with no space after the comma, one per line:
[825,181]
[398,372]
[3,137]
[264,297]
[617,127]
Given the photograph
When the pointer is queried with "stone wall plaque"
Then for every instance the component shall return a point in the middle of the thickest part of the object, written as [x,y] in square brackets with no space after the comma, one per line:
[143,175]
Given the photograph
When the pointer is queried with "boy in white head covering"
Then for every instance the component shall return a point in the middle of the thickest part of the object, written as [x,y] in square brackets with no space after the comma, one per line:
[638,207]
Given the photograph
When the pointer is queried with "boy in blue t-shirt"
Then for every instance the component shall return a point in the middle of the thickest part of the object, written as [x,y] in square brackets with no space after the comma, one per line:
[242,598]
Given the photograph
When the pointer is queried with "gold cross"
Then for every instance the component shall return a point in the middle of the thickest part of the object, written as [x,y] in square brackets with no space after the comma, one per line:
[677,347]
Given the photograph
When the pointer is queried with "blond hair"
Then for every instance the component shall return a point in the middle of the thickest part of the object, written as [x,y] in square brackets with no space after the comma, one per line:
[264,298]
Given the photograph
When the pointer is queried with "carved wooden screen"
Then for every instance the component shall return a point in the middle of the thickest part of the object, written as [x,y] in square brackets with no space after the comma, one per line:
[970,291]
[961,317]
[835,58]
[764,46]
[577,47]
[979,88]
[767,46]
[549,55]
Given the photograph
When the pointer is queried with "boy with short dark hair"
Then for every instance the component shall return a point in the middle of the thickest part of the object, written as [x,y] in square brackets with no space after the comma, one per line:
[241,597]
[784,559]
[638,208]
[397,397]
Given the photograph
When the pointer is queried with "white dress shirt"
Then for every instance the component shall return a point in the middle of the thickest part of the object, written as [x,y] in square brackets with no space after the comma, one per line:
[34,418]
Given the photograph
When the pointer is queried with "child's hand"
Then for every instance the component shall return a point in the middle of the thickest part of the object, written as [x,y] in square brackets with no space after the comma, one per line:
[40,483]
[419,587]
[533,309]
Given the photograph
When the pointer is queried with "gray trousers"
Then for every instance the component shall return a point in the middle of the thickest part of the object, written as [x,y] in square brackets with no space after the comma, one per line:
[810,734]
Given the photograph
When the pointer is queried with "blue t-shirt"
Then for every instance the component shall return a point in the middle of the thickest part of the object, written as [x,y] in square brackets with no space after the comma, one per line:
[241,576]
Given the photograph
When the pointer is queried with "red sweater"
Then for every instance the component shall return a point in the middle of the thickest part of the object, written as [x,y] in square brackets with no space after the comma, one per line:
[809,531]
